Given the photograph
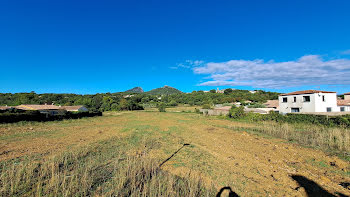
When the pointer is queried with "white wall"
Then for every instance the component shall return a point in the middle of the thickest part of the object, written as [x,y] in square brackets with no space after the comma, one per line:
[315,105]
[330,101]
[346,97]
[347,108]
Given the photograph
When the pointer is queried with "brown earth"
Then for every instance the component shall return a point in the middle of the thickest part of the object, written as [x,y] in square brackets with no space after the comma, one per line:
[251,165]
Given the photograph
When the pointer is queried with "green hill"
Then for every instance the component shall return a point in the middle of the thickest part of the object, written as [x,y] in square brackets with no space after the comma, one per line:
[135,90]
[166,90]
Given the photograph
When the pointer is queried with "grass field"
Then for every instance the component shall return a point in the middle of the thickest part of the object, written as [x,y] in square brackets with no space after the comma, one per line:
[143,153]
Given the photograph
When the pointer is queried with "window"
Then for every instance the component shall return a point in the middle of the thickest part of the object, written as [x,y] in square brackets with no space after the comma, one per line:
[295,110]
[295,99]
[285,99]
[329,109]
[323,98]
[342,108]
[306,98]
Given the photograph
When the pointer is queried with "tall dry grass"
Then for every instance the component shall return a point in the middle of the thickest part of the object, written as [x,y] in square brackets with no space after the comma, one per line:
[92,172]
[335,139]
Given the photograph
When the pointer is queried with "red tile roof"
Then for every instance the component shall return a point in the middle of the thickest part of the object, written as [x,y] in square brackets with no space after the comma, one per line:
[347,93]
[306,92]
[343,102]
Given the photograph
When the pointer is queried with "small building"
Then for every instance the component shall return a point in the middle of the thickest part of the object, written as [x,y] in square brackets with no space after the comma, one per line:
[308,101]
[44,109]
[52,109]
[272,104]
[76,108]
[217,111]
[347,96]
[219,91]
[4,108]
[344,105]
[38,107]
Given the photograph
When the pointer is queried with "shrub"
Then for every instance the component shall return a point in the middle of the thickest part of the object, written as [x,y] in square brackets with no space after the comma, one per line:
[161,107]
[206,106]
[236,112]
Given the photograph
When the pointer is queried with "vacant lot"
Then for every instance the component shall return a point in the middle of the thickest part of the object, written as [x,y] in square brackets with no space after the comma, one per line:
[252,165]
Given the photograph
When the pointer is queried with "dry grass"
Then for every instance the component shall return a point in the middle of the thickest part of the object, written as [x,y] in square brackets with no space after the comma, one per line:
[119,154]
[333,139]
[96,171]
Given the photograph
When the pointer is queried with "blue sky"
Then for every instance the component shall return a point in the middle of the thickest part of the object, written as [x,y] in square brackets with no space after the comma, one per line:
[110,46]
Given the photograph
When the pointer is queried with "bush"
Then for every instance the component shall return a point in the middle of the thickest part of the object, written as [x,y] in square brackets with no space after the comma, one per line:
[236,112]
[294,118]
[206,106]
[37,116]
[161,107]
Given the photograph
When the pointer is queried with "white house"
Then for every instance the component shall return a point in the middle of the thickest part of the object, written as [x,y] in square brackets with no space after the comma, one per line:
[308,101]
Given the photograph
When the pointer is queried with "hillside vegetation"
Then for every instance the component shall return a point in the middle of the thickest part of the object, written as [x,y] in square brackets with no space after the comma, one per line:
[166,90]
[135,90]
[136,101]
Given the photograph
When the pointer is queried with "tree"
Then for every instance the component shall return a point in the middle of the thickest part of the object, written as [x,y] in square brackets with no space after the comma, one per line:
[161,107]
[228,91]
[212,91]
[123,105]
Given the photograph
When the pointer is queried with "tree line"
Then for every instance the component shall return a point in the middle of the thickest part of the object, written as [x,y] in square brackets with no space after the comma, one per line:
[135,101]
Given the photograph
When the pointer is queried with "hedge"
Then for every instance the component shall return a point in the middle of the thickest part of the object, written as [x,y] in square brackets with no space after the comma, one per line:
[343,120]
[9,117]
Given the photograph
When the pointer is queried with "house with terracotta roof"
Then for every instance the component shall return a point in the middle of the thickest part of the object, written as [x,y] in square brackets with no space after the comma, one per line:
[272,104]
[344,105]
[308,101]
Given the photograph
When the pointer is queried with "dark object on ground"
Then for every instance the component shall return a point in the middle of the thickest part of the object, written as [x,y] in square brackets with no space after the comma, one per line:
[312,189]
[231,193]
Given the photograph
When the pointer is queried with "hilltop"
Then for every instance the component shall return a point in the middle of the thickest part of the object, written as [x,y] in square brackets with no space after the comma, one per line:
[166,90]
[135,90]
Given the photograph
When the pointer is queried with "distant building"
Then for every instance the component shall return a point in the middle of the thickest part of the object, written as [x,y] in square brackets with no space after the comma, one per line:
[272,104]
[308,101]
[219,91]
[128,96]
[344,105]
[5,107]
[44,109]
[347,96]
[38,107]
[52,109]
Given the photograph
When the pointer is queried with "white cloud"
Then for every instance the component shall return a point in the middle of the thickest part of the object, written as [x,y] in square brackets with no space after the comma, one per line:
[188,64]
[307,70]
